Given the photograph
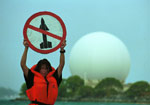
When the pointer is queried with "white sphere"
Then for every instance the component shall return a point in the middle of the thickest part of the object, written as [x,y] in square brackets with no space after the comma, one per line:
[100,55]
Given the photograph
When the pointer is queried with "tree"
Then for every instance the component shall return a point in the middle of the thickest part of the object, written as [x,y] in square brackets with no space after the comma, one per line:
[23,90]
[108,87]
[69,87]
[85,91]
[73,85]
[138,90]
[62,90]
[109,83]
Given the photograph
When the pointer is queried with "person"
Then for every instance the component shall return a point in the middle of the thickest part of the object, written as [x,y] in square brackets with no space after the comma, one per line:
[42,79]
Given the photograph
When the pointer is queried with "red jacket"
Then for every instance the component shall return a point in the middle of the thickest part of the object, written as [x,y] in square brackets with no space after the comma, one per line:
[43,91]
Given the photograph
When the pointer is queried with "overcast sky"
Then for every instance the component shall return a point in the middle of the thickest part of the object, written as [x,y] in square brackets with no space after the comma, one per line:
[129,20]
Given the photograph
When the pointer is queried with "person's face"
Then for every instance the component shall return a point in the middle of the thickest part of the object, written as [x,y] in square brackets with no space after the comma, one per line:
[44,70]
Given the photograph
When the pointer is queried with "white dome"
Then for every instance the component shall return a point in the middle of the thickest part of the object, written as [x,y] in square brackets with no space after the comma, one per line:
[99,55]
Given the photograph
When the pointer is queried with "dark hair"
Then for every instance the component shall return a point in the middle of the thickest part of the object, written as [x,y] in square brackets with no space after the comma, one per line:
[45,62]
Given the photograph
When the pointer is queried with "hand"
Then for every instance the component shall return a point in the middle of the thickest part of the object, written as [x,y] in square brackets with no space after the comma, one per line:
[63,44]
[26,44]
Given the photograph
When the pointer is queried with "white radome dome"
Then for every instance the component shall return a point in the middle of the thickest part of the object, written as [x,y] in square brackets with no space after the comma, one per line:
[99,55]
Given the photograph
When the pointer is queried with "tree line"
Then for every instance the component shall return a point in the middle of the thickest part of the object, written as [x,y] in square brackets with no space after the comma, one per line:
[74,88]
[6,92]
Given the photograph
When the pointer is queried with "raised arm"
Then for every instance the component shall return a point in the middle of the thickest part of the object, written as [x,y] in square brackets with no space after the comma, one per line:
[24,58]
[62,58]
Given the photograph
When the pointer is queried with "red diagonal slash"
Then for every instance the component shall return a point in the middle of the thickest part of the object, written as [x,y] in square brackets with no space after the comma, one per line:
[44,32]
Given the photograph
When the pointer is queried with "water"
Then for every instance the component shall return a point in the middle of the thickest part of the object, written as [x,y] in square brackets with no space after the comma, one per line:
[67,103]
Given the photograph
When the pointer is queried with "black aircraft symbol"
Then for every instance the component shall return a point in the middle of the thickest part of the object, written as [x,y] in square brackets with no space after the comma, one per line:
[45,43]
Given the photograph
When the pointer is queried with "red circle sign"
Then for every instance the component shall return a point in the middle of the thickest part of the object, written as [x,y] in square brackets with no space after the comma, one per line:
[46,45]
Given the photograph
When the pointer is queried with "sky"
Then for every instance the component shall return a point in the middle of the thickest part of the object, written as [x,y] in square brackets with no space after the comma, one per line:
[129,20]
